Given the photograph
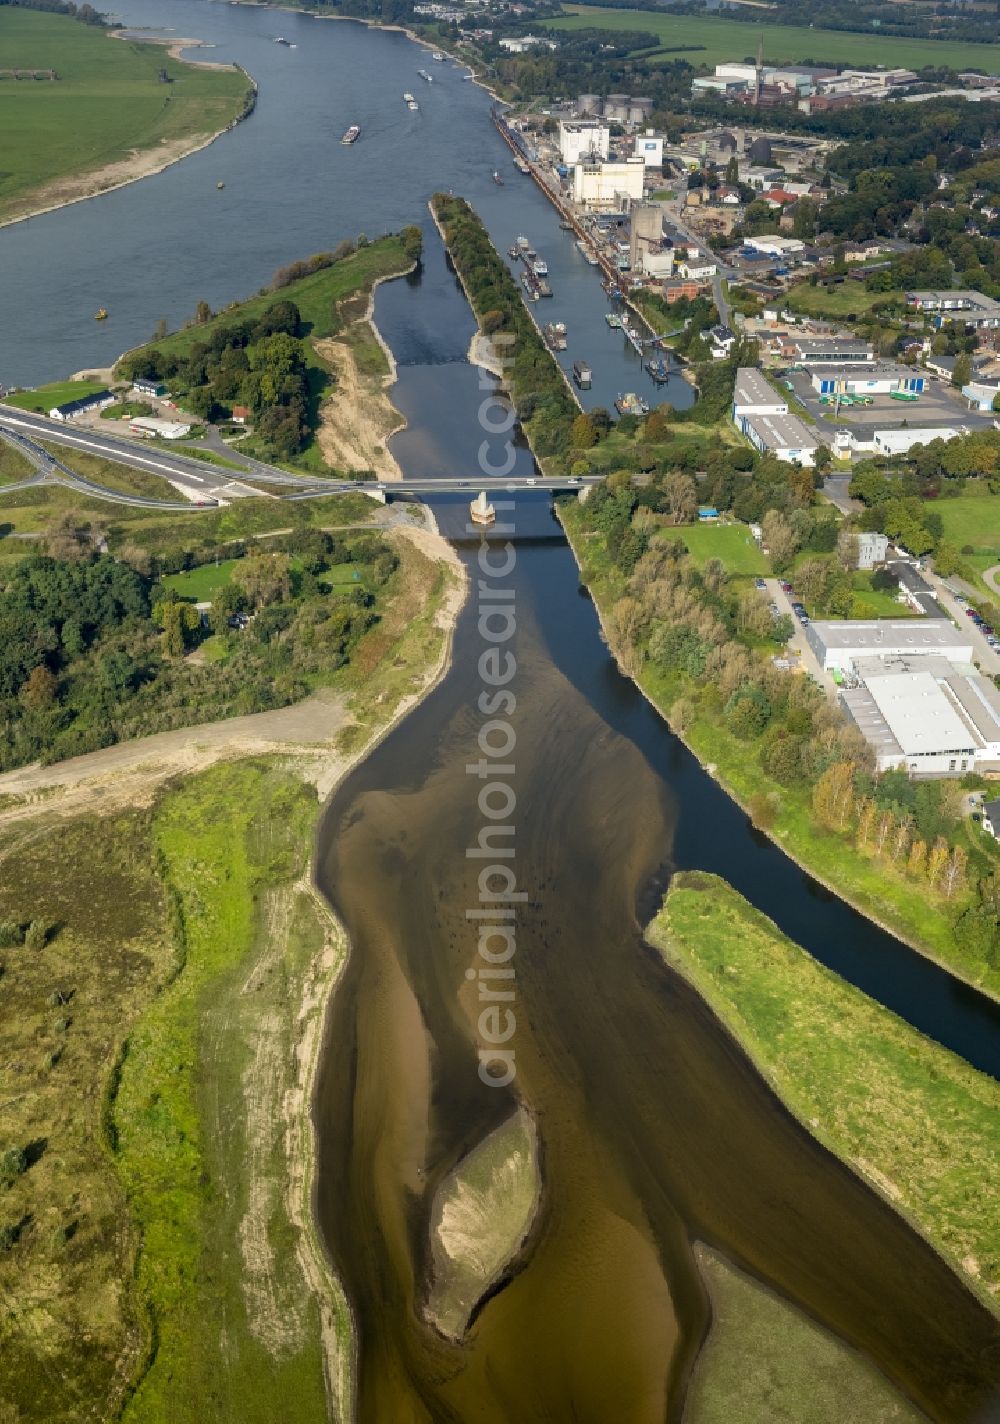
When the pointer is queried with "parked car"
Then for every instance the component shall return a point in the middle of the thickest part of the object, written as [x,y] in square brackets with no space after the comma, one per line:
[786,586]
[987,628]
[971,613]
[759,583]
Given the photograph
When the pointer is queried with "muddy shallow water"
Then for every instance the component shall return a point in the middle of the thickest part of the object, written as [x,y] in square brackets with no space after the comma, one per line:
[654,1128]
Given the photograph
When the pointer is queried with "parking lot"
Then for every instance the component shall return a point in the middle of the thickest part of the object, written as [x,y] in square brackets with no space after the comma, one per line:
[938,405]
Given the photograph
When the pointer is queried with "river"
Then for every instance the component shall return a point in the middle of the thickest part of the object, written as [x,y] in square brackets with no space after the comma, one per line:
[655,1130]
[153,249]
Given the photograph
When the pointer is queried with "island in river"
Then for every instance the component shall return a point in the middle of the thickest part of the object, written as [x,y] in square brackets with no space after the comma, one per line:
[107,110]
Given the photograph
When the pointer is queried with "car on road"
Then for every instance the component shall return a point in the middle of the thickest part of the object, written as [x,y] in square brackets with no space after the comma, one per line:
[531,480]
[573,480]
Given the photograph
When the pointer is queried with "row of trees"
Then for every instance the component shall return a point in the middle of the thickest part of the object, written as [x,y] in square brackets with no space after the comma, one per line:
[533,379]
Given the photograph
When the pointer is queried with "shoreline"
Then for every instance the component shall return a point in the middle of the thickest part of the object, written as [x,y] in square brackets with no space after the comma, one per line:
[337,349]
[149,162]
[712,770]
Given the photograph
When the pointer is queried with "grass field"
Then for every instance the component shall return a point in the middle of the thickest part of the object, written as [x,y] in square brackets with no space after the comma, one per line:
[765,1360]
[914,1119]
[972,519]
[315,296]
[719,40]
[106,102]
[202,584]
[732,543]
[848,299]
[43,398]
[13,465]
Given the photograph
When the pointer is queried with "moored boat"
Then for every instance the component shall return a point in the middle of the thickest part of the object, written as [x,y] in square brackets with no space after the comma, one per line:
[659,370]
[613,320]
[554,333]
[631,404]
[582,375]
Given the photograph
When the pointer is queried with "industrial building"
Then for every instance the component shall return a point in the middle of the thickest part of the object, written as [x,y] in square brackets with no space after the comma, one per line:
[753,394]
[649,147]
[925,715]
[580,141]
[148,425]
[829,350]
[840,644]
[608,187]
[969,307]
[784,436]
[875,379]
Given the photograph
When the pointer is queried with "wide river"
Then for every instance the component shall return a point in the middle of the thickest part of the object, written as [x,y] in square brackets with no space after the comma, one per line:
[655,1130]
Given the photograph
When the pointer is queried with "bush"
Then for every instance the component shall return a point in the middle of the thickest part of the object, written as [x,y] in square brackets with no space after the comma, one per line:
[13,1164]
[36,936]
[11,934]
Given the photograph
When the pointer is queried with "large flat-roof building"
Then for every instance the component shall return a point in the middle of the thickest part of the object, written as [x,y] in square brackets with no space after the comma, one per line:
[876,378]
[753,394]
[839,644]
[784,436]
[925,715]
[830,350]
[580,141]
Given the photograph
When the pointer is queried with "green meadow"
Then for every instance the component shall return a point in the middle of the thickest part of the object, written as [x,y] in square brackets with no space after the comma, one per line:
[718,40]
[106,102]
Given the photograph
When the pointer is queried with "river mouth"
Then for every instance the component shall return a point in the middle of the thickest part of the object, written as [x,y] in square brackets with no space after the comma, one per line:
[655,1130]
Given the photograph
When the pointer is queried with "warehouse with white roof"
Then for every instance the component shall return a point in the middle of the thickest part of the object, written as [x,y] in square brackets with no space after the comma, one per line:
[840,645]
[924,715]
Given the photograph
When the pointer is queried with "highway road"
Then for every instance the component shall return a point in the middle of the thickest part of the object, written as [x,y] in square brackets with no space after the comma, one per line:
[205,485]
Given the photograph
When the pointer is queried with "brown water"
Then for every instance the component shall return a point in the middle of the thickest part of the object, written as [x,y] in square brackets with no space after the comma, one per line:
[654,1128]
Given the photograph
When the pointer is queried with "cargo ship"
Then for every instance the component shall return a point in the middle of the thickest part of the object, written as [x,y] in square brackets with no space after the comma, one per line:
[632,336]
[409,101]
[582,375]
[554,333]
[424,75]
[587,252]
[613,320]
[521,166]
[530,284]
[352,135]
[659,370]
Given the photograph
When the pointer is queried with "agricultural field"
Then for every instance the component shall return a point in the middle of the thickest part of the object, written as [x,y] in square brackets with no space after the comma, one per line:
[717,40]
[107,102]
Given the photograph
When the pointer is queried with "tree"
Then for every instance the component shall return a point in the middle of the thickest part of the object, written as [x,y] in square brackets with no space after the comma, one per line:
[36,936]
[866,820]
[823,458]
[916,862]
[39,691]
[900,839]
[937,859]
[264,578]
[953,873]
[779,539]
[624,623]
[202,313]
[583,433]
[833,796]
[962,373]
[178,621]
[847,548]
[682,499]
[883,830]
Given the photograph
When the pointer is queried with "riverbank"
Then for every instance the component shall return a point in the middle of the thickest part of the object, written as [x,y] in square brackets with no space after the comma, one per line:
[357,420]
[107,93]
[920,917]
[216,1157]
[915,1121]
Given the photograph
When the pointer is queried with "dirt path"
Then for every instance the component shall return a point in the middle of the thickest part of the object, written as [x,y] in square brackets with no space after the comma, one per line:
[991,579]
